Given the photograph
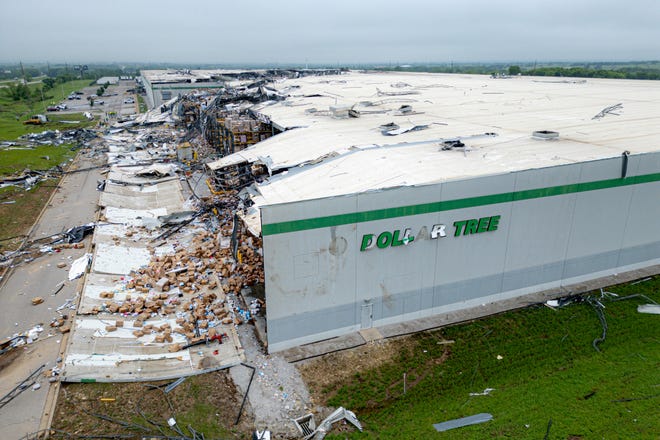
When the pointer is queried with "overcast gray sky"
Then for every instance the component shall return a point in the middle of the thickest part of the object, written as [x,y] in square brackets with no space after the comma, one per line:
[328,31]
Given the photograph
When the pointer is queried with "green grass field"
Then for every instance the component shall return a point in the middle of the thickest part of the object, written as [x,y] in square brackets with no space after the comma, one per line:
[42,157]
[142,104]
[547,370]
[14,113]
[19,208]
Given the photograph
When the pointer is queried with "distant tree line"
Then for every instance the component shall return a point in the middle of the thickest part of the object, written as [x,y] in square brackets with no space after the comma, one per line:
[27,72]
[583,72]
[635,70]
[22,92]
[474,69]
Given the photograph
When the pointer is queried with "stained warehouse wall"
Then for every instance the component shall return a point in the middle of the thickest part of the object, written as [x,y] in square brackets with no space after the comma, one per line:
[557,226]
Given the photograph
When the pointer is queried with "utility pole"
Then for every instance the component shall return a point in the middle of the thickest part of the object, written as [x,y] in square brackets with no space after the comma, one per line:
[23,72]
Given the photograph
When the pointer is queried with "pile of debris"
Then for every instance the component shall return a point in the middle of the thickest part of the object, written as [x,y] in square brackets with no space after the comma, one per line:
[162,270]
[31,250]
[185,283]
[57,137]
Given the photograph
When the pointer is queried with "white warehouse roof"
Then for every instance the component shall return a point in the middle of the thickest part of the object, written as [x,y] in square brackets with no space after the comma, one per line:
[334,154]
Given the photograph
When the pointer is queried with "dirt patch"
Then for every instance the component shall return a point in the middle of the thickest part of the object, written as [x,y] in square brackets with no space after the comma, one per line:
[326,375]
[329,372]
[9,357]
[17,218]
[416,375]
[209,403]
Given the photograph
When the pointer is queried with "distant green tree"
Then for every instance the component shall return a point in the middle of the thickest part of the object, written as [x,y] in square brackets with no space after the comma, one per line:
[49,83]
[99,91]
[38,94]
[514,70]
[17,92]
[65,77]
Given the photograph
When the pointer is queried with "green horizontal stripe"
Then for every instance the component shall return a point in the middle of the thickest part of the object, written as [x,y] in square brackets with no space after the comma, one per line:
[450,205]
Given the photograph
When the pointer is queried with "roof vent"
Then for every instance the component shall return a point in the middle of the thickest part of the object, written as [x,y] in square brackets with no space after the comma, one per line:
[450,145]
[545,135]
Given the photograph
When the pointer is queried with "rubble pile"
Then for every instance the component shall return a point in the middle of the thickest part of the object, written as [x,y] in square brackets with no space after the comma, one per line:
[186,284]
[249,270]
[80,136]
[32,250]
[61,323]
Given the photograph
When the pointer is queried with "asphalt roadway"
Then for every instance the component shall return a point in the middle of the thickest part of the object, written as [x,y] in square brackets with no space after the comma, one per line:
[74,203]
[113,102]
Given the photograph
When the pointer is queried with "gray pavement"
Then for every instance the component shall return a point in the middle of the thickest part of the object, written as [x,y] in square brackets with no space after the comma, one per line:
[73,204]
[113,102]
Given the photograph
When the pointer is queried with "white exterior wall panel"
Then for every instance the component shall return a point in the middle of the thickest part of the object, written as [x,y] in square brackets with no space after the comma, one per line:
[551,232]
[641,238]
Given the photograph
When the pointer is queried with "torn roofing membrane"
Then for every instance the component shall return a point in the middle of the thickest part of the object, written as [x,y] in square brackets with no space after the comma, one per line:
[492,120]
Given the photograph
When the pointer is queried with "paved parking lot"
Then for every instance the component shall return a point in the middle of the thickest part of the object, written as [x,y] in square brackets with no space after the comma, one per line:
[111,106]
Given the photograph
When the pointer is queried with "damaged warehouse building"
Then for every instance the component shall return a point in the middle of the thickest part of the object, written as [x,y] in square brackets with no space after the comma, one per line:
[163,85]
[390,203]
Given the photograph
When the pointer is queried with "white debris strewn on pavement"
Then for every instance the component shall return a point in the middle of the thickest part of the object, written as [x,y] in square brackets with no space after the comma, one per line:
[79,266]
[153,306]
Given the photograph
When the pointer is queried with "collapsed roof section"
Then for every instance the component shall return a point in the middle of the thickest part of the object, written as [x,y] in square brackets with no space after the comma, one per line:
[223,75]
[155,304]
[369,131]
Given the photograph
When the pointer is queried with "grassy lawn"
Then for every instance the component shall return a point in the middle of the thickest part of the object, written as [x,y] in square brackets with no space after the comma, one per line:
[41,157]
[14,113]
[141,104]
[541,364]
[64,121]
[18,216]
[19,208]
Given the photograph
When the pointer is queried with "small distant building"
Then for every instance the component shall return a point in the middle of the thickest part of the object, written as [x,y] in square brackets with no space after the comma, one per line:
[112,80]
[163,85]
